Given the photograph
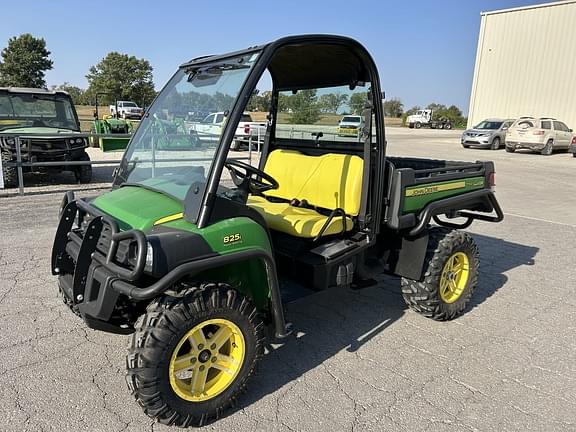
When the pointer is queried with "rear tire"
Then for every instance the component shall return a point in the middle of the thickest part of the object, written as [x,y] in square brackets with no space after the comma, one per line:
[448,126]
[162,357]
[440,126]
[445,292]
[10,173]
[548,148]
[495,144]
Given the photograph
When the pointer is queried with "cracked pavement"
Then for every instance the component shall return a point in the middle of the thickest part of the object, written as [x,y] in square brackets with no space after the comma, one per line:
[359,360]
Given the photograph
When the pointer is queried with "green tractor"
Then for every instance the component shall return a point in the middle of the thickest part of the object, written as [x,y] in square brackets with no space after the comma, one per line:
[195,253]
[110,125]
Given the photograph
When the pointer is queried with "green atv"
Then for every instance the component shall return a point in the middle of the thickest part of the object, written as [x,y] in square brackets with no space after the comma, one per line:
[45,126]
[196,253]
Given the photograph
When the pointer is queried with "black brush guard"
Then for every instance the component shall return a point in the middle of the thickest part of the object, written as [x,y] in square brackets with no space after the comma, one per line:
[93,281]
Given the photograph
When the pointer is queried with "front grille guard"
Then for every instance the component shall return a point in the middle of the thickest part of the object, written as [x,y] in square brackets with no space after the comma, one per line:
[68,243]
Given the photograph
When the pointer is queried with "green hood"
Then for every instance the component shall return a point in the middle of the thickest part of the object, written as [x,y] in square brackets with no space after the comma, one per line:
[36,130]
[137,207]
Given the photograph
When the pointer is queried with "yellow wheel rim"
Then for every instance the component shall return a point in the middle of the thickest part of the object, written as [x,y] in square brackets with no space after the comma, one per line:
[207,360]
[454,277]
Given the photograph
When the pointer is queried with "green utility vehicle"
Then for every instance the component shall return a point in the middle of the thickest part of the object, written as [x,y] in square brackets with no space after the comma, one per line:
[46,126]
[195,253]
[110,125]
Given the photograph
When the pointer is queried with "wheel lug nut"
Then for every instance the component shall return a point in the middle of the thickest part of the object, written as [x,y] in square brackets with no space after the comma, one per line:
[214,359]
[200,346]
[202,368]
[213,346]
[193,360]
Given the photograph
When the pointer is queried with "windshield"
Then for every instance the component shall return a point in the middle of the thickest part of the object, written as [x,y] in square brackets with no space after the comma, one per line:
[129,104]
[351,119]
[174,146]
[492,125]
[33,110]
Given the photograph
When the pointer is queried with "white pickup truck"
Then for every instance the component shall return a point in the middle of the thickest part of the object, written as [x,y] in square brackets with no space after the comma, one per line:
[247,130]
[126,109]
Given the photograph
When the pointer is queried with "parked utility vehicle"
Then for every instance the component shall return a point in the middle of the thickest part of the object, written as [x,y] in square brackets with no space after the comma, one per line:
[192,251]
[424,118]
[46,126]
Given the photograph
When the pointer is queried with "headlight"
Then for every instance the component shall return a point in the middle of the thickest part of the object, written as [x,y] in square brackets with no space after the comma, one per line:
[79,140]
[149,258]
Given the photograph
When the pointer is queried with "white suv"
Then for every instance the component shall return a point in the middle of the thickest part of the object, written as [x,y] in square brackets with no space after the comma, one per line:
[539,134]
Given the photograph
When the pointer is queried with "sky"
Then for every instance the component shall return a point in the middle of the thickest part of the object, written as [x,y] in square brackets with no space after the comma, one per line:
[425,50]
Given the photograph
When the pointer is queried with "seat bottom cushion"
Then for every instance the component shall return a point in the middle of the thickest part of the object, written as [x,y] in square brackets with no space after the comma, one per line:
[296,221]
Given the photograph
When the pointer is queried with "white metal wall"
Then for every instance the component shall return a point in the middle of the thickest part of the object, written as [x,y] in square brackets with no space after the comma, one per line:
[526,64]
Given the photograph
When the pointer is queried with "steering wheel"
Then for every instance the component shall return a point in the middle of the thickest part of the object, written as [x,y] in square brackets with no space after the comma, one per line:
[246,176]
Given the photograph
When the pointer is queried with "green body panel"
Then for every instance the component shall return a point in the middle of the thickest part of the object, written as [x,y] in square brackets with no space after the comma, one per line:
[417,197]
[248,277]
[136,207]
[110,127]
[38,131]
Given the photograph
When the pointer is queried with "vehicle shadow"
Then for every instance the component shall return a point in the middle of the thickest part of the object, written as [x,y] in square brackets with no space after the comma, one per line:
[331,321]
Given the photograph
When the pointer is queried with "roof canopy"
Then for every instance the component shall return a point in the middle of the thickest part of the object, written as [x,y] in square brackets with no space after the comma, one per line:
[318,64]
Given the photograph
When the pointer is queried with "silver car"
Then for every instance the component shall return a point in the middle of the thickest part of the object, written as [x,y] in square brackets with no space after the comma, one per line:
[489,133]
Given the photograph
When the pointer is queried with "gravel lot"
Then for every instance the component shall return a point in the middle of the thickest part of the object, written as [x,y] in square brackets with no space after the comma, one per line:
[360,360]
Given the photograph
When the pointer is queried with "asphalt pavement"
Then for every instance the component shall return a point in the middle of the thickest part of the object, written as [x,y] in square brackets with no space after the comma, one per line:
[360,360]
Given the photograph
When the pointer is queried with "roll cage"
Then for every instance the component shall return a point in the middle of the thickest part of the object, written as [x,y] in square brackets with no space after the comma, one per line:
[297,63]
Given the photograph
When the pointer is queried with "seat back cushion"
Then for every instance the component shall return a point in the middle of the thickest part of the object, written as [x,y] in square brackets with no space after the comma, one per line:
[328,181]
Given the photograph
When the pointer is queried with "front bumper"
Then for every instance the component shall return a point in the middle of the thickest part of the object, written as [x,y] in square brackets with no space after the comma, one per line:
[86,274]
[347,131]
[484,141]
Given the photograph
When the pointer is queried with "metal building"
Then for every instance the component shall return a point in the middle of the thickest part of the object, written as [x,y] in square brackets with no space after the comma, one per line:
[526,64]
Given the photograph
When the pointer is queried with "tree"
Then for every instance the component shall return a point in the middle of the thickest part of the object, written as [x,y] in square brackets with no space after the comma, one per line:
[123,77]
[393,108]
[24,62]
[77,94]
[305,107]
[331,102]
[358,102]
[436,107]
[260,102]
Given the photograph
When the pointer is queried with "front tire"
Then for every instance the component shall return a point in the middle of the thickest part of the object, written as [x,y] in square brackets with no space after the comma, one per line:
[417,125]
[495,144]
[510,149]
[84,172]
[450,276]
[191,356]
[10,173]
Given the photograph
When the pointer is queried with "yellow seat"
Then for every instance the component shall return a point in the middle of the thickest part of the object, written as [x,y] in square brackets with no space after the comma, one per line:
[330,181]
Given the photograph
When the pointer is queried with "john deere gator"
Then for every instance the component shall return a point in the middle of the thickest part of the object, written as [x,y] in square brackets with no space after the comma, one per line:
[193,251]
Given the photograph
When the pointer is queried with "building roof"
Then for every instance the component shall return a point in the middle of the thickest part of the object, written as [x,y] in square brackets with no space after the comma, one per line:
[522,8]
